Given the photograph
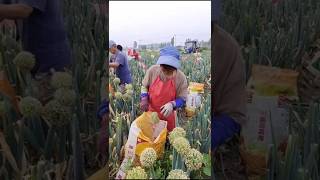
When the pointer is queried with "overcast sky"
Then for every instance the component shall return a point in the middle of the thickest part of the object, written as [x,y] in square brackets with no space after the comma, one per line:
[157,21]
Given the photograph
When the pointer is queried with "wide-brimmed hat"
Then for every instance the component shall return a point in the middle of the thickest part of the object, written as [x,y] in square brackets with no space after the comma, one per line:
[170,56]
[111,43]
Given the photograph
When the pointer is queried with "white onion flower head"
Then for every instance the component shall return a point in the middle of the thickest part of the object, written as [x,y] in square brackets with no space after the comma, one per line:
[148,157]
[176,132]
[118,95]
[182,145]
[56,113]
[137,173]
[130,92]
[66,97]
[61,80]
[116,81]
[128,86]
[193,160]
[30,107]
[126,97]
[177,174]
[24,60]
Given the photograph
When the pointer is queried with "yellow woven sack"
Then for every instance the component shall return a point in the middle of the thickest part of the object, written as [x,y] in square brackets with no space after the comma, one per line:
[144,134]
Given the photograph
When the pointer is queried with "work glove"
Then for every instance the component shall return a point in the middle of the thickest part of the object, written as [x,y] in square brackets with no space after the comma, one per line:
[223,129]
[167,109]
[103,109]
[178,103]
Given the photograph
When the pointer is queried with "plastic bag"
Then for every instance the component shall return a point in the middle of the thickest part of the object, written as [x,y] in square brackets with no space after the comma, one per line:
[257,132]
[268,92]
[193,99]
[273,81]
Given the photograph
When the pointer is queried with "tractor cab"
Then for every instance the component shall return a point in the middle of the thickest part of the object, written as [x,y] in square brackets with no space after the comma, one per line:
[191,47]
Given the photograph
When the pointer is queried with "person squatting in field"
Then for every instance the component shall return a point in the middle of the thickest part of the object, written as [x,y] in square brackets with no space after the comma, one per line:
[164,87]
[229,96]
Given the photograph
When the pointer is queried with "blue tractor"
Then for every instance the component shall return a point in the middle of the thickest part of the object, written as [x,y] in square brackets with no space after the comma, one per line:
[191,47]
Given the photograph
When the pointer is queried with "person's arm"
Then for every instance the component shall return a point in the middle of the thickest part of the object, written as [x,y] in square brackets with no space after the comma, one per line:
[144,94]
[234,97]
[230,96]
[120,59]
[223,129]
[182,91]
[15,11]
[114,65]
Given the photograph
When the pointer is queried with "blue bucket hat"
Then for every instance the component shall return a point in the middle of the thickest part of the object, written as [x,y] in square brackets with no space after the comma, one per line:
[216,10]
[111,43]
[170,56]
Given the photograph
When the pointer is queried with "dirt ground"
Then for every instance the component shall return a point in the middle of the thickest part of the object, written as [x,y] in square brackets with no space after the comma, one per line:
[228,164]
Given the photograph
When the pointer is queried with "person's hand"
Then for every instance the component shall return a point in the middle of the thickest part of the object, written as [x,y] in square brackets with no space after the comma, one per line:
[144,103]
[7,23]
[223,129]
[167,109]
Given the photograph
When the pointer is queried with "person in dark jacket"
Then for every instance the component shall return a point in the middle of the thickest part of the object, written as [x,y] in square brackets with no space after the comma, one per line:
[229,96]
[43,32]
[43,35]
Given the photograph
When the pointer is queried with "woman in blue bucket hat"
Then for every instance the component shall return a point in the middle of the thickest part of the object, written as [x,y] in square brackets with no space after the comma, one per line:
[164,87]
